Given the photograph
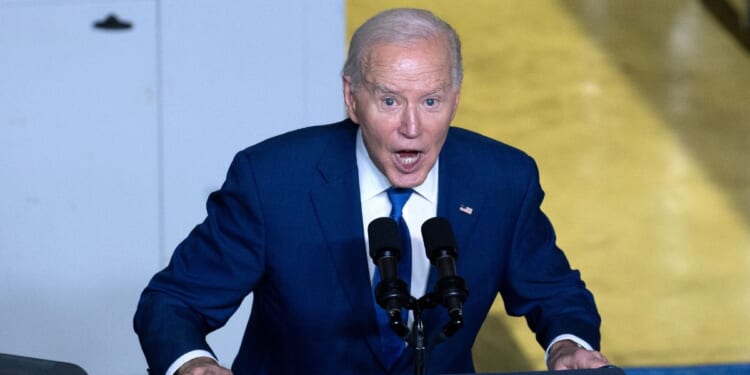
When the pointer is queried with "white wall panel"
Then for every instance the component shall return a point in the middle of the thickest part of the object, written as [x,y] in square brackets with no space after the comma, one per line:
[78,180]
[111,141]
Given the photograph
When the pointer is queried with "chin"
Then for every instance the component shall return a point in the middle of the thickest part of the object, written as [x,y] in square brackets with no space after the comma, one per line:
[408,181]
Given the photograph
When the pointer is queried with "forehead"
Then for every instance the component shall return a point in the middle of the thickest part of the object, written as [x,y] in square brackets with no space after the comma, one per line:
[424,62]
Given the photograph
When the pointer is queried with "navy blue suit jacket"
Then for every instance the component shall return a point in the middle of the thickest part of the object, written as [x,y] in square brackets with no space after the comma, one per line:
[286,225]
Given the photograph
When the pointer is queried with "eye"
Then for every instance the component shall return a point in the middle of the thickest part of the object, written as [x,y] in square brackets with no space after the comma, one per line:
[430,102]
[389,102]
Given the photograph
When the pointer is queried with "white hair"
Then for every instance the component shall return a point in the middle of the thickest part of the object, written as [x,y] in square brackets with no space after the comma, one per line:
[401,25]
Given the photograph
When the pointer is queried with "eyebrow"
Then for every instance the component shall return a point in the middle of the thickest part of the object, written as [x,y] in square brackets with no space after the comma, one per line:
[385,90]
[436,91]
[382,89]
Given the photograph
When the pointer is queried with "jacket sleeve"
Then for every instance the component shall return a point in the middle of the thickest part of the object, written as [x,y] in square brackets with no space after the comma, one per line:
[540,283]
[208,276]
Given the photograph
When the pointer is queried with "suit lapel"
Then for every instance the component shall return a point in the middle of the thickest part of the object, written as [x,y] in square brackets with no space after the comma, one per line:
[338,208]
[461,203]
[459,200]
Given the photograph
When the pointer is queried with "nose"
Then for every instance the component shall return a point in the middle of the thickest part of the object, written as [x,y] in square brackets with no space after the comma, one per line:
[411,126]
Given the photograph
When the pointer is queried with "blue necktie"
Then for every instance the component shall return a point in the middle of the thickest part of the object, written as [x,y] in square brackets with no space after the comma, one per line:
[392,344]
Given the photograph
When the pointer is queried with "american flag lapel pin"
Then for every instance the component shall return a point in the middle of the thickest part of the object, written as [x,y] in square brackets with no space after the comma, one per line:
[465,209]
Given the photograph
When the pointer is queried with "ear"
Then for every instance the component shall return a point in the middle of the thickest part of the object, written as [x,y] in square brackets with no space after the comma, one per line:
[455,104]
[350,100]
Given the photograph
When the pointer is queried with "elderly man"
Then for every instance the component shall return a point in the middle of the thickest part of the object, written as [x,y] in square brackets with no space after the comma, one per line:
[289,224]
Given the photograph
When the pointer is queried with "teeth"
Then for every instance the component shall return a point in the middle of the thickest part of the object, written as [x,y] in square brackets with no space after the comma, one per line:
[408,159]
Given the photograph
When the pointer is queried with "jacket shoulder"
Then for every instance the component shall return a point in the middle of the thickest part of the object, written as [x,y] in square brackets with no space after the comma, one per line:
[467,144]
[308,138]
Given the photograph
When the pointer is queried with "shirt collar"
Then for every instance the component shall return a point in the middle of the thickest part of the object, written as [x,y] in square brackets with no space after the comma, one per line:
[373,182]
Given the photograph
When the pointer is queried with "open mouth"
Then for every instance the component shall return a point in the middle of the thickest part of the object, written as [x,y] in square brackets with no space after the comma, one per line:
[408,159]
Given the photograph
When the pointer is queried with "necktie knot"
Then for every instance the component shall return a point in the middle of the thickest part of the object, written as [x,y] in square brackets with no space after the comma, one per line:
[398,198]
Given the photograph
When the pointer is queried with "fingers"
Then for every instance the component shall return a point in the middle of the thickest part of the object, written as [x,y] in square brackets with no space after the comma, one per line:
[203,366]
[589,359]
[594,359]
[579,359]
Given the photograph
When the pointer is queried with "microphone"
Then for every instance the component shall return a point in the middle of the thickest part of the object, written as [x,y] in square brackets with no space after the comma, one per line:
[391,293]
[440,245]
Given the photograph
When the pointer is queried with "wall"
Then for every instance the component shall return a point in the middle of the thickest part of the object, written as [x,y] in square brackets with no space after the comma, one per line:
[111,140]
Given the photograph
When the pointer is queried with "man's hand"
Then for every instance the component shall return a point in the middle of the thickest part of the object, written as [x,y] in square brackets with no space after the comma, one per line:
[567,355]
[202,366]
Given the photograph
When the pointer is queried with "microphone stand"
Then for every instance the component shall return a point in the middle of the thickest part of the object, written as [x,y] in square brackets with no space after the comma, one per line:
[419,345]
[393,295]
[416,337]
[395,290]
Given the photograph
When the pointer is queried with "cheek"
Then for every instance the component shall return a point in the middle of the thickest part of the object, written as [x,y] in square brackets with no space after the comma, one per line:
[375,139]
[378,128]
[438,131]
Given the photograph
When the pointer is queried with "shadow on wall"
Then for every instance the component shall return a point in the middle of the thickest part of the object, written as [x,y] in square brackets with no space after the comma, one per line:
[735,20]
[672,78]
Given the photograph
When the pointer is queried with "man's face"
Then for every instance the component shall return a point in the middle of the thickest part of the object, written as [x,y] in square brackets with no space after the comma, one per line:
[404,107]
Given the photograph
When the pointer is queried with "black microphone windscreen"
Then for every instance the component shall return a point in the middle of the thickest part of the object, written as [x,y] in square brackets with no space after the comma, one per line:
[383,235]
[438,235]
